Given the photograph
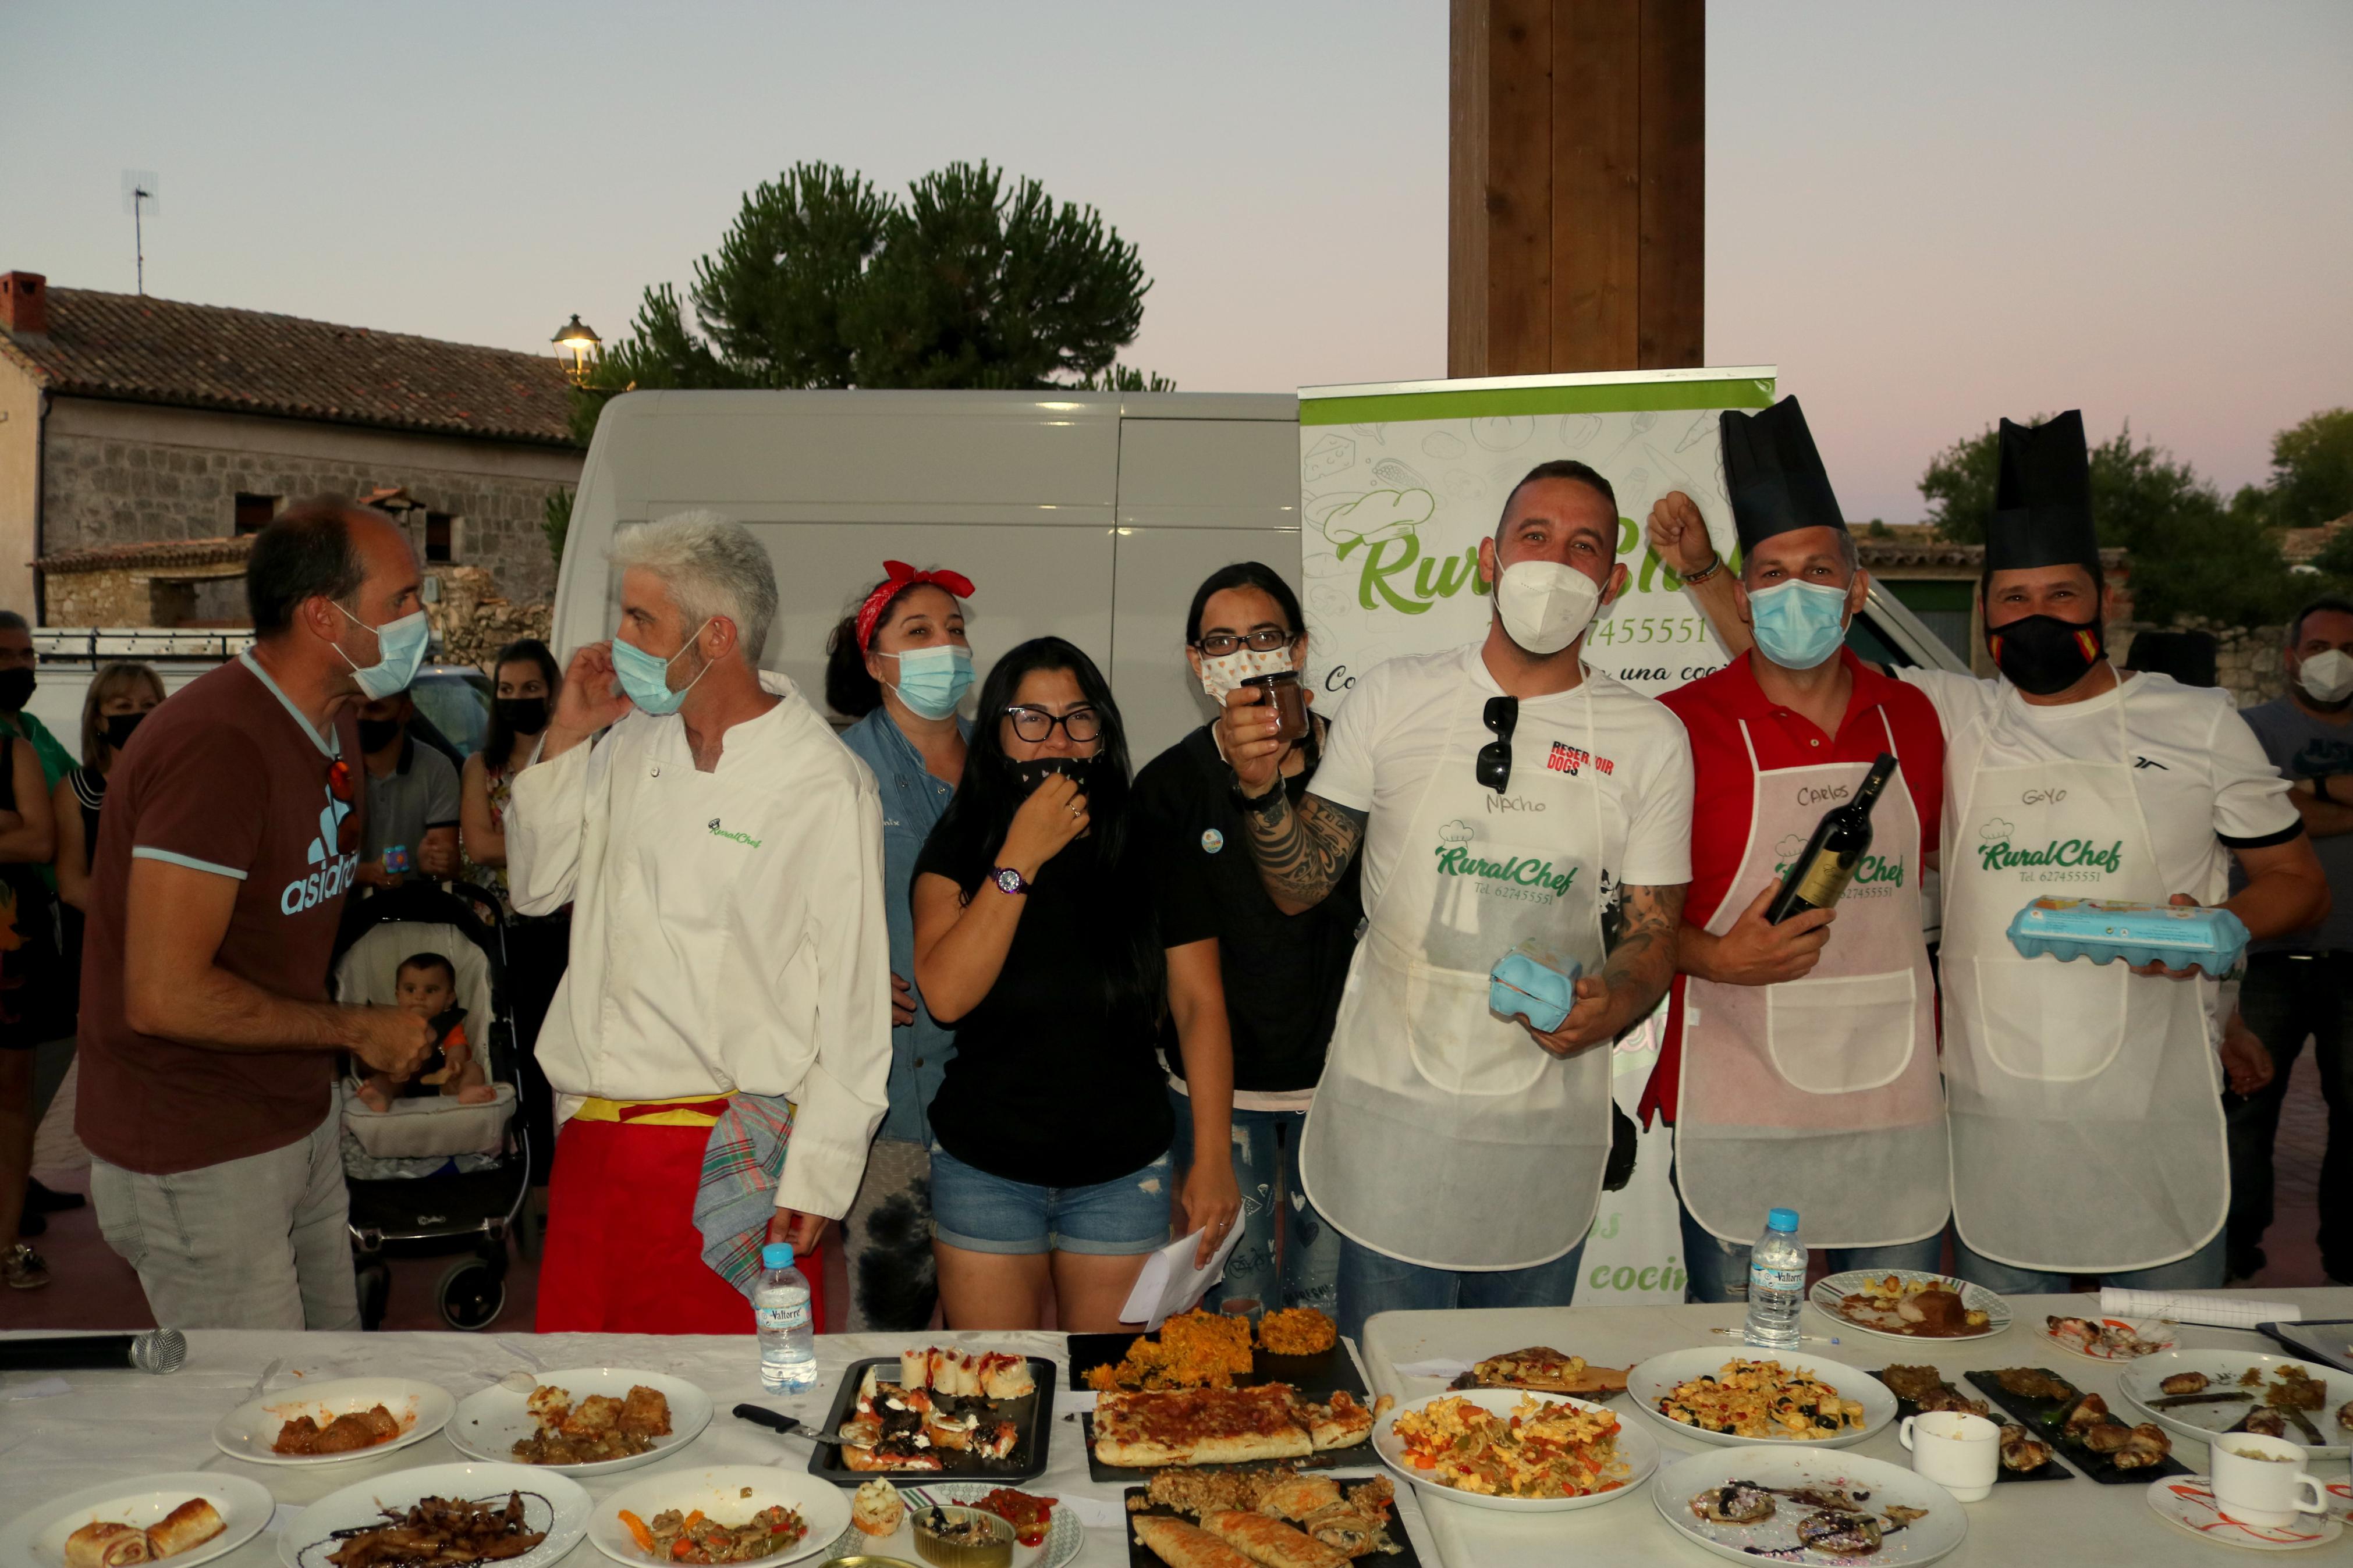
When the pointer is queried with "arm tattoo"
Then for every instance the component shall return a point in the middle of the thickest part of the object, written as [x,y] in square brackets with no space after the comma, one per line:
[1302,853]
[1643,960]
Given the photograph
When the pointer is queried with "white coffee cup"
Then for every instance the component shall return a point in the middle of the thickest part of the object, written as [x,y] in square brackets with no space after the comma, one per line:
[1959,1451]
[2257,1481]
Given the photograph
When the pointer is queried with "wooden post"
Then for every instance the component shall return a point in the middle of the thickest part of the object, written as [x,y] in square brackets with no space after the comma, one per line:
[1575,211]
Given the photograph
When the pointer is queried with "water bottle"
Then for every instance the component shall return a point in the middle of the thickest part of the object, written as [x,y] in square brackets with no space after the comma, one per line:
[1777,1283]
[780,1305]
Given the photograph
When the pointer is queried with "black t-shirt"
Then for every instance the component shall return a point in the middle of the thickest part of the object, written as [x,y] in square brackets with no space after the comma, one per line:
[1283,974]
[1053,1080]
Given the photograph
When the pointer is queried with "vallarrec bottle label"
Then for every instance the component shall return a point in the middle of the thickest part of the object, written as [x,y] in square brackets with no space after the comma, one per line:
[1825,879]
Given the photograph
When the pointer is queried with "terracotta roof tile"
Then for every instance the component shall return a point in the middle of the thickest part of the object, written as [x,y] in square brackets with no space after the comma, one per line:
[146,349]
[155,553]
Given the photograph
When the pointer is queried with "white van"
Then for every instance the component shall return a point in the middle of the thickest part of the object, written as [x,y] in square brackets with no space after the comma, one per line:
[1090,515]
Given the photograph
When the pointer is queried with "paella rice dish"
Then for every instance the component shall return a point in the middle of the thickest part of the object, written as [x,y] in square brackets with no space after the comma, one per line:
[1543,1449]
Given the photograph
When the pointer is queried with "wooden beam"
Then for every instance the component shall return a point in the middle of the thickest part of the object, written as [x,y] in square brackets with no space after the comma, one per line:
[1675,184]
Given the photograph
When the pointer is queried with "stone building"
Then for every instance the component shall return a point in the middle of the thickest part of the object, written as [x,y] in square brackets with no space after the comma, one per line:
[126,420]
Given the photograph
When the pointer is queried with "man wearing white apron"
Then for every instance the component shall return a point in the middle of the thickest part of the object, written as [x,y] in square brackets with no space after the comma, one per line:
[1503,794]
[2087,1128]
[1799,1068]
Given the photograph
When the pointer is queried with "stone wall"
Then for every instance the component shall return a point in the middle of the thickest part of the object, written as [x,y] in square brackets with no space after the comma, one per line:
[2246,659]
[473,622]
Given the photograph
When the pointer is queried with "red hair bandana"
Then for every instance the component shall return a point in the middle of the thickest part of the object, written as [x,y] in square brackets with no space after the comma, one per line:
[897,577]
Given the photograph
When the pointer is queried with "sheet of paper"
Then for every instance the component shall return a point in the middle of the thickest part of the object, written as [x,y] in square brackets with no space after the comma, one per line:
[1170,1284]
[2216,1312]
[1095,1513]
[41,1388]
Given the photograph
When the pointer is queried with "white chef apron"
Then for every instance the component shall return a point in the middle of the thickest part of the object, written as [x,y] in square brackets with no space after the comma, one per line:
[1820,1094]
[1440,1134]
[2086,1115]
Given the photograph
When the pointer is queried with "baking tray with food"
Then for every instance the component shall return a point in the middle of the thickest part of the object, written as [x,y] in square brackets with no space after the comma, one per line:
[1298,1346]
[1268,1514]
[2025,1456]
[940,1412]
[1132,1436]
[2080,1425]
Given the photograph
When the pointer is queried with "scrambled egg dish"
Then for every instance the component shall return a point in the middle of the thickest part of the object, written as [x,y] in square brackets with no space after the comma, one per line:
[1758,1399]
[1540,1450]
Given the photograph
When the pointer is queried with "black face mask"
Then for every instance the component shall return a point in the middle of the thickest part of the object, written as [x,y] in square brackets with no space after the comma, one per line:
[1038,770]
[523,715]
[2043,655]
[375,734]
[16,689]
[119,726]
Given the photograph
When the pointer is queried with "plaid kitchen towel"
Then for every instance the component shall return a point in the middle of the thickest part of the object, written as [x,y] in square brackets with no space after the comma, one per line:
[741,1166]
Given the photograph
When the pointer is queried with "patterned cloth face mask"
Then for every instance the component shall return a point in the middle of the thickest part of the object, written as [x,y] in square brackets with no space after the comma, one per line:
[1221,677]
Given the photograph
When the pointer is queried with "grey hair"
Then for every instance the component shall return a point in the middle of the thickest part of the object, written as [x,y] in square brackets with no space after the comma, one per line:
[1849,556]
[712,566]
[10,621]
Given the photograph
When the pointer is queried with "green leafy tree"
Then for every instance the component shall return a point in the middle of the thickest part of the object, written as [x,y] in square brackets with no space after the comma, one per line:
[2311,471]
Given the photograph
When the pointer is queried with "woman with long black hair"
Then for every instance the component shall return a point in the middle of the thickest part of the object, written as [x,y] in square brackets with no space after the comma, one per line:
[1035,939]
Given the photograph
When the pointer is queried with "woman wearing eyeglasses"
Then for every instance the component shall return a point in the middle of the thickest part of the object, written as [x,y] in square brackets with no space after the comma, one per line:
[1281,974]
[1035,941]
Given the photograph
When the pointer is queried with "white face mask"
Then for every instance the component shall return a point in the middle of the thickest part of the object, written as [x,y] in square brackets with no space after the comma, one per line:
[1545,605]
[2327,676]
[1222,675]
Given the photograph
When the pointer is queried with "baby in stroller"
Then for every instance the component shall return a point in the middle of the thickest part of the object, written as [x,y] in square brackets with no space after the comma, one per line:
[427,985]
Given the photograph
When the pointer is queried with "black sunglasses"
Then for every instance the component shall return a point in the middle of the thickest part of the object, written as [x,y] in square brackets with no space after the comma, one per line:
[1495,765]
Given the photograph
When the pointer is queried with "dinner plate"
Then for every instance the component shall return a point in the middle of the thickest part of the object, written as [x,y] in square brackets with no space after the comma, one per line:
[1065,1536]
[246,1432]
[2187,1502]
[721,1493]
[1945,1526]
[1830,1289]
[1635,1447]
[488,1424]
[2204,1423]
[556,1504]
[2151,1330]
[37,1537]
[1654,1378]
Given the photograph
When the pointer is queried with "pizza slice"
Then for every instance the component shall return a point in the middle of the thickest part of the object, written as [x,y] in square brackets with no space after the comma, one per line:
[1543,1369]
[1341,1423]
[1199,1426]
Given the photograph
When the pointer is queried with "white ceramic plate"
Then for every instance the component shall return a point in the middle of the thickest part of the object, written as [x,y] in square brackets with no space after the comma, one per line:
[246,1432]
[39,1537]
[719,1494]
[1654,1378]
[1635,1447]
[1829,1291]
[552,1504]
[1065,1536]
[2203,1423]
[2149,1331]
[1944,1527]
[2187,1502]
[488,1424]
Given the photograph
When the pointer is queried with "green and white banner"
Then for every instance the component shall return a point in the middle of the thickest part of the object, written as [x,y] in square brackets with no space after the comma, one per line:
[1398,482]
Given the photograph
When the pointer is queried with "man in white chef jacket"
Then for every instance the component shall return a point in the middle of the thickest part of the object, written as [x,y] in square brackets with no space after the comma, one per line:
[722,852]
[2086,1123]
[1506,797]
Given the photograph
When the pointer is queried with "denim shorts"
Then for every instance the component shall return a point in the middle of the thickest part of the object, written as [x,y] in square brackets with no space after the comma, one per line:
[1119,1218]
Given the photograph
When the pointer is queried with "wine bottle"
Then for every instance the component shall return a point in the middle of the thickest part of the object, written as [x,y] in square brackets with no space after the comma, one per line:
[1819,875]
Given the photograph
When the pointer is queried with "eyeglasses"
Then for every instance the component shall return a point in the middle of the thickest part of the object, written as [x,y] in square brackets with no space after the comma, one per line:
[339,785]
[1494,763]
[1035,724]
[1266,640]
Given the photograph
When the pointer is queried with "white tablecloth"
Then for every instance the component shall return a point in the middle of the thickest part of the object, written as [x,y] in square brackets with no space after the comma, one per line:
[2071,1522]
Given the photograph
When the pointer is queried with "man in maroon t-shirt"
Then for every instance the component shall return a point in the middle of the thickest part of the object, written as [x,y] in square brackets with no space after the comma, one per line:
[208,1043]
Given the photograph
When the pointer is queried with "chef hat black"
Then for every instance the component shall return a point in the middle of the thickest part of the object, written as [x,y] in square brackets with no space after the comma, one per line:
[1773,474]
[2042,502]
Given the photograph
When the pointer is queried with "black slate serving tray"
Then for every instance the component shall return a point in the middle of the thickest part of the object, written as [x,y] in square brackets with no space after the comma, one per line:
[1034,1414]
[1315,1376]
[2050,1469]
[1141,1556]
[2042,1417]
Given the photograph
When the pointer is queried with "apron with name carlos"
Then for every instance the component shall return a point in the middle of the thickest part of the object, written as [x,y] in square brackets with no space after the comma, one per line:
[1820,1094]
[2086,1101]
[1441,1134]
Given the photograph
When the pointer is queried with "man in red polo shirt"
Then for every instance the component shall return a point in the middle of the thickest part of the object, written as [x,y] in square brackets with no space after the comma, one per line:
[1799,1070]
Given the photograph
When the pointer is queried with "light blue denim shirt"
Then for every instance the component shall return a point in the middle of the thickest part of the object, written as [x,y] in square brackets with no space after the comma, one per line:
[912,800]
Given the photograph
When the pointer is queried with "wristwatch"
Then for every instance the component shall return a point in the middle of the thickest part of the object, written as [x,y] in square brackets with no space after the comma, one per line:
[1008,880]
[1257,805]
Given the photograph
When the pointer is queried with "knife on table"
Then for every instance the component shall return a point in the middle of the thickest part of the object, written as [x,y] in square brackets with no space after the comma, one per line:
[776,1420]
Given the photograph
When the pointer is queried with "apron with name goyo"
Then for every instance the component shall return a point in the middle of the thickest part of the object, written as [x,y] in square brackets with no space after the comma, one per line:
[2086,1101]
[1820,1094]
[1441,1134]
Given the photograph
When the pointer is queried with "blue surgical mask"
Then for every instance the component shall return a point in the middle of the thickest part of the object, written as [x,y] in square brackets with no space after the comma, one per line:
[399,649]
[646,676]
[932,681]
[1798,625]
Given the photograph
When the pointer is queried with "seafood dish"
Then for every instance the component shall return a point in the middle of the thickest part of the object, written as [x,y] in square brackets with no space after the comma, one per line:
[1841,1521]
[1762,1399]
[345,1433]
[2055,1414]
[104,1544]
[1926,1308]
[1194,1350]
[1544,1371]
[2207,1393]
[2021,1450]
[442,1532]
[2105,1339]
[597,1428]
[1541,1450]
[671,1536]
[1353,1521]
[944,1407]
[1297,1331]
[2091,1424]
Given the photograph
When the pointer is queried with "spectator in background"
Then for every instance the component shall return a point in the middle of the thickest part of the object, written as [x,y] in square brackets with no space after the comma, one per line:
[900,666]
[526,684]
[121,695]
[412,797]
[2187,657]
[18,665]
[28,980]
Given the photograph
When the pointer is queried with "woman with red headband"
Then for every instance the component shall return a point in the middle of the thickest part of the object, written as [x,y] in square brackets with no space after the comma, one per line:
[899,665]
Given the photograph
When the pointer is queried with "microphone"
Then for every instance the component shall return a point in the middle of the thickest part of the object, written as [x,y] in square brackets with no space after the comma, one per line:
[157,1350]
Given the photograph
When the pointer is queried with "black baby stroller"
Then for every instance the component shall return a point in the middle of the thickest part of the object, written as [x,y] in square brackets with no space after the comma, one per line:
[433,1175]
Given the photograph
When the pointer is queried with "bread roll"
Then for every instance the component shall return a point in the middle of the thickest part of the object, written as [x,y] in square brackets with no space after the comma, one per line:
[102,1544]
[191,1525]
[1181,1545]
[1269,1540]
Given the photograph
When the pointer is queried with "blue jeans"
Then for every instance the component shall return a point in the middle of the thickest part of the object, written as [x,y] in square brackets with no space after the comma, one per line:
[1374,1282]
[1719,1268]
[2201,1270]
[1266,1166]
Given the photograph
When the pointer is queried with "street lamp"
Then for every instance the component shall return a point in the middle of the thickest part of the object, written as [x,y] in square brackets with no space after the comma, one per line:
[575,342]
